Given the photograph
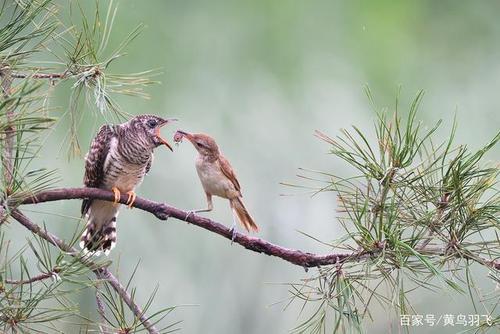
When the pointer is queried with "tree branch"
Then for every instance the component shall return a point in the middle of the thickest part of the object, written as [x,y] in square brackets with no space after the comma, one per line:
[36,75]
[10,131]
[163,211]
[101,310]
[100,272]
[53,273]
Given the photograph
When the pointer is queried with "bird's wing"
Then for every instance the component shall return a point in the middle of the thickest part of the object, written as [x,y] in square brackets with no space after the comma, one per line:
[94,162]
[228,171]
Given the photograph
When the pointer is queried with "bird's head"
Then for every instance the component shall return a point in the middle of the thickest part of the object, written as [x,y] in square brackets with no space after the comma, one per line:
[147,128]
[204,144]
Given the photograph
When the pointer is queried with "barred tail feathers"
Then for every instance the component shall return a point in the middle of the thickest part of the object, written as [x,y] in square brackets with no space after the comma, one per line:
[99,238]
[100,232]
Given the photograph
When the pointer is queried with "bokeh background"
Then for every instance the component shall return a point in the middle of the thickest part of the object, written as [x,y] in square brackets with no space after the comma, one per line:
[261,76]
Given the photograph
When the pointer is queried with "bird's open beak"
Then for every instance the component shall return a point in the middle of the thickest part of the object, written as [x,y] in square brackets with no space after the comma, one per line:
[163,140]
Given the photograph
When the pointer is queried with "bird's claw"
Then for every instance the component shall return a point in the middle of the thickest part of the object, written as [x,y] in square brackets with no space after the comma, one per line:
[131,199]
[117,195]
[233,235]
[189,213]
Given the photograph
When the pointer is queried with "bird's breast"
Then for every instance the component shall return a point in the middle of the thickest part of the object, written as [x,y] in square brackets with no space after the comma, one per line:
[124,177]
[120,173]
[213,180]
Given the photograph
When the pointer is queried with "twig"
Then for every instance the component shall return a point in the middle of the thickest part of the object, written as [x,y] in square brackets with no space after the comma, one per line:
[101,273]
[10,131]
[164,211]
[101,310]
[49,76]
[51,274]
[441,206]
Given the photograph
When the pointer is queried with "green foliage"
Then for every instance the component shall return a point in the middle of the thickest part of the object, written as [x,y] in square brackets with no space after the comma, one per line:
[28,25]
[37,302]
[87,62]
[118,318]
[416,216]
[38,283]
[82,56]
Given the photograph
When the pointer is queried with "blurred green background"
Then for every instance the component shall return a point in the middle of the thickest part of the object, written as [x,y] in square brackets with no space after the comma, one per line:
[261,76]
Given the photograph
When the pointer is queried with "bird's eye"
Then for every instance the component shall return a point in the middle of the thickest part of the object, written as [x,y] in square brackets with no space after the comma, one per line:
[200,144]
[152,123]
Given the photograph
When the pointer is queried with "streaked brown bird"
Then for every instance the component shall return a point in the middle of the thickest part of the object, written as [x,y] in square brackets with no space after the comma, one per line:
[217,177]
[119,158]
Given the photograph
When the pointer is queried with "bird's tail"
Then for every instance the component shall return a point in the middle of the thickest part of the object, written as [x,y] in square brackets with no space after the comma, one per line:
[243,216]
[99,236]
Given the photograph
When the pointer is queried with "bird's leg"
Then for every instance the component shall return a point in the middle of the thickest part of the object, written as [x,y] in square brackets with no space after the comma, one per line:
[117,195]
[208,209]
[131,198]
[234,226]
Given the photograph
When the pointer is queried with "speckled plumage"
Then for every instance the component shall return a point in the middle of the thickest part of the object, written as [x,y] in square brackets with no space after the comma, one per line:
[119,156]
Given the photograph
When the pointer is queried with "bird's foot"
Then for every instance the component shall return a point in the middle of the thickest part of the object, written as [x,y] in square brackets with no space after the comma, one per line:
[131,198]
[189,213]
[233,234]
[192,212]
[233,229]
[117,195]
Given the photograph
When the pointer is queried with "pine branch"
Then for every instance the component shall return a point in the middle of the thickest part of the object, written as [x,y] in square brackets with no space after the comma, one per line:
[37,75]
[10,131]
[163,212]
[100,272]
[51,274]
[304,259]
[101,310]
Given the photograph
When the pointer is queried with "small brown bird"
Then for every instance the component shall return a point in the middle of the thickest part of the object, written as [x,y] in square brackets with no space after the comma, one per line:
[218,178]
[119,158]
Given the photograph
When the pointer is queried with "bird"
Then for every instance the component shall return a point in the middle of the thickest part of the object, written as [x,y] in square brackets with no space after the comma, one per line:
[118,159]
[217,178]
